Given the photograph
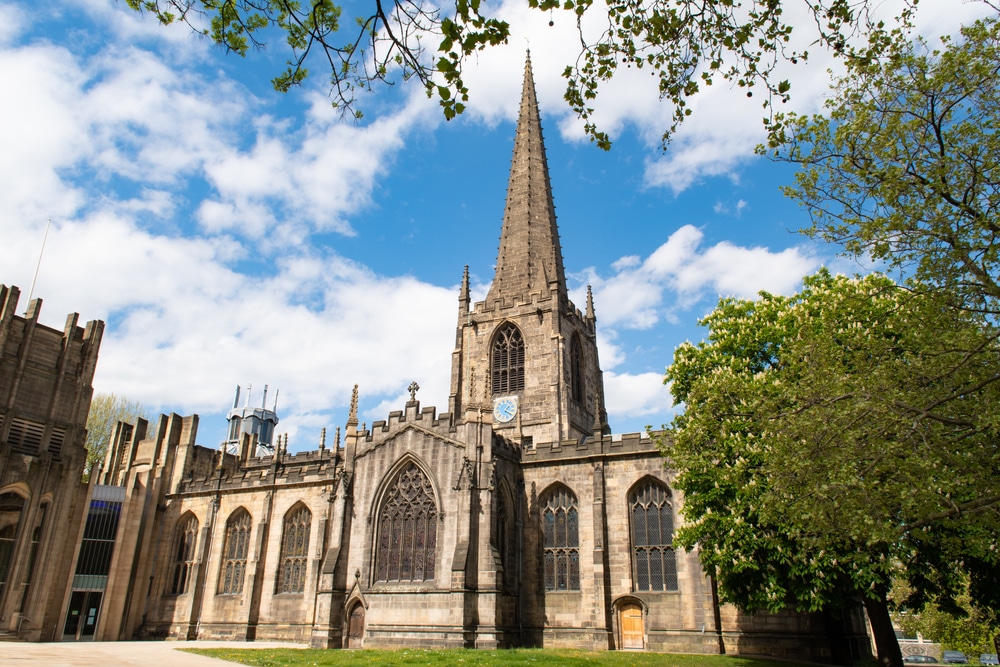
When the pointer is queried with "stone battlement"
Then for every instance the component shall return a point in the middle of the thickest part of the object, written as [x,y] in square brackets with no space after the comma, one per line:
[610,445]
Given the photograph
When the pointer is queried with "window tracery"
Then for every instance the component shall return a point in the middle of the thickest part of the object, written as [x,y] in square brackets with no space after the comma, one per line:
[561,551]
[507,360]
[293,561]
[407,534]
[234,553]
[184,544]
[653,558]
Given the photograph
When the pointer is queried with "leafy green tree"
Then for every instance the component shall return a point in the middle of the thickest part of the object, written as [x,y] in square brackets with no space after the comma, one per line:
[685,44]
[971,632]
[836,439]
[106,410]
[904,165]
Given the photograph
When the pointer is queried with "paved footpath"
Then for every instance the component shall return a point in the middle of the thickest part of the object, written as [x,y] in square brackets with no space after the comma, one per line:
[113,654]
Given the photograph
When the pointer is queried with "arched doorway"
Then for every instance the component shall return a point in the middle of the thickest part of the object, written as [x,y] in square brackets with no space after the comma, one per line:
[356,626]
[630,623]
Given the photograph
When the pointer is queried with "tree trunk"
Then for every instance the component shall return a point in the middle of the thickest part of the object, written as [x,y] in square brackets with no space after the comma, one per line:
[886,645]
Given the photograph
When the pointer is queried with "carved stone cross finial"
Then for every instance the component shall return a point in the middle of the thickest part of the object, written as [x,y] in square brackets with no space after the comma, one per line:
[413,389]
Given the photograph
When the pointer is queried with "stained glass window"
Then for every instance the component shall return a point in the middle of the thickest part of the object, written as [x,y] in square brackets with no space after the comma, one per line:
[652,518]
[561,531]
[407,529]
[184,543]
[507,360]
[234,553]
[293,561]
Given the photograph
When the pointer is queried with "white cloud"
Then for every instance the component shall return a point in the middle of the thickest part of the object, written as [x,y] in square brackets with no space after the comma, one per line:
[641,395]
[681,272]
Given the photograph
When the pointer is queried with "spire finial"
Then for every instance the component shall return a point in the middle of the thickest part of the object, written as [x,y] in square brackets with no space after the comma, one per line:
[352,416]
[590,305]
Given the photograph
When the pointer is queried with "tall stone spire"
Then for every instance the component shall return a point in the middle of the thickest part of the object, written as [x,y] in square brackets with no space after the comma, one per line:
[530,257]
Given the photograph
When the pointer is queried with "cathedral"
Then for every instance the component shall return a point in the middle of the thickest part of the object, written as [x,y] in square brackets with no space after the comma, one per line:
[513,518]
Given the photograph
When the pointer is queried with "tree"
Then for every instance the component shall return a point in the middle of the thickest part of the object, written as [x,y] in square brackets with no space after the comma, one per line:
[836,439]
[106,410]
[905,165]
[685,44]
[972,632]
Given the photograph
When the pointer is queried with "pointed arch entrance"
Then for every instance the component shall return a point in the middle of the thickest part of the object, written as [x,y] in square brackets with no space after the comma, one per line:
[356,626]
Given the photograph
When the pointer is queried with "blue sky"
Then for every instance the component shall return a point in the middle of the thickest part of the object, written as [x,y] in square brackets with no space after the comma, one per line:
[232,235]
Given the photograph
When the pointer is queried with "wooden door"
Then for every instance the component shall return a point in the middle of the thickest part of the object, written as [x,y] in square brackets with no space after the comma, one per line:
[356,627]
[630,621]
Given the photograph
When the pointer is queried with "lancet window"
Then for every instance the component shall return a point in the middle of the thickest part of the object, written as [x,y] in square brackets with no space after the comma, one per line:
[507,360]
[234,553]
[576,368]
[407,529]
[293,563]
[652,518]
[184,544]
[561,530]
[11,506]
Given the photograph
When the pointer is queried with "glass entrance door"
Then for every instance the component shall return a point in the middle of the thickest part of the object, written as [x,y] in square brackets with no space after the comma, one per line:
[81,618]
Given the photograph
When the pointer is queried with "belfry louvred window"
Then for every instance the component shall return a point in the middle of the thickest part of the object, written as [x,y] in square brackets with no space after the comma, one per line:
[507,360]
[293,563]
[561,531]
[407,529]
[652,518]
[234,553]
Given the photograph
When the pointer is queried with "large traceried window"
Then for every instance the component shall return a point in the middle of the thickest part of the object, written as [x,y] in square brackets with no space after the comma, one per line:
[407,529]
[234,553]
[561,530]
[576,368]
[652,518]
[507,360]
[184,544]
[292,565]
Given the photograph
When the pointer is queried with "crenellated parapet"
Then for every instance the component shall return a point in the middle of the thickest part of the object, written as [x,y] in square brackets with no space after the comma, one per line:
[308,468]
[46,380]
[427,418]
[625,444]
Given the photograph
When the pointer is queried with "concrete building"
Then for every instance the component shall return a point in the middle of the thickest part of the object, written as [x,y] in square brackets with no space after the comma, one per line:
[515,518]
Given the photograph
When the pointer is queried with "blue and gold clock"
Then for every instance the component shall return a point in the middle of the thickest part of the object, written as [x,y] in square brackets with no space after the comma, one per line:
[505,409]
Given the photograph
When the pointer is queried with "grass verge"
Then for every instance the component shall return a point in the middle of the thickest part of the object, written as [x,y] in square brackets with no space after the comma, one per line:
[291,657]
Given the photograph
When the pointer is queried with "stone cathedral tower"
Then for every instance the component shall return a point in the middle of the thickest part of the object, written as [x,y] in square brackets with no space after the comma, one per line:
[527,350]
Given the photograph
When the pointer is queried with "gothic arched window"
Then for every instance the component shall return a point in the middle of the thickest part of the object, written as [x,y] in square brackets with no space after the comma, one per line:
[292,563]
[407,529]
[507,360]
[576,368]
[184,543]
[11,506]
[652,518]
[234,553]
[561,529]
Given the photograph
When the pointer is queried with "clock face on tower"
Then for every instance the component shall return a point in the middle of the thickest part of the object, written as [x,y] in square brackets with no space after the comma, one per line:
[505,409]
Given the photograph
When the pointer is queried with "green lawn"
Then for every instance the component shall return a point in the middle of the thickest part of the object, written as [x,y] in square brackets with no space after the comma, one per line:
[468,658]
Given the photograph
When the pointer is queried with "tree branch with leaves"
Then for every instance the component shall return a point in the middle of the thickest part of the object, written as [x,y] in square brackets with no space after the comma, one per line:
[685,44]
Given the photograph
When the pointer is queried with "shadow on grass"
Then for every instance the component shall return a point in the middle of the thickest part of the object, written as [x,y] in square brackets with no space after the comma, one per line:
[475,658]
